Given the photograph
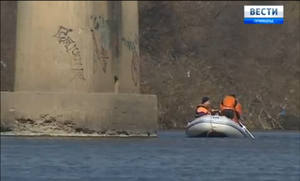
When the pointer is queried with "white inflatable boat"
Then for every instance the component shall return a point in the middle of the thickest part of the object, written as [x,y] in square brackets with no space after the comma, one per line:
[215,126]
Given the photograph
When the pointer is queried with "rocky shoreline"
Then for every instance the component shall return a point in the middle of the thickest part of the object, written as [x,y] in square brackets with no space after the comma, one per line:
[29,134]
[49,126]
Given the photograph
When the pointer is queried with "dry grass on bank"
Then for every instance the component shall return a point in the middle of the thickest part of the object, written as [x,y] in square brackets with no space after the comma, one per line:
[259,63]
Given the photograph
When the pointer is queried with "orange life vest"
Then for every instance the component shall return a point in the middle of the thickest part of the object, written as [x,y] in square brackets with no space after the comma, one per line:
[230,102]
[203,108]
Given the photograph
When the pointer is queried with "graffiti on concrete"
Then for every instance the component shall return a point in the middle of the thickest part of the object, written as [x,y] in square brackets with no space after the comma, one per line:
[101,53]
[99,56]
[71,47]
[135,68]
[101,24]
[132,45]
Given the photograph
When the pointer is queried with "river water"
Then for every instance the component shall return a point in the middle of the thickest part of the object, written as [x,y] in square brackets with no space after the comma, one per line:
[273,156]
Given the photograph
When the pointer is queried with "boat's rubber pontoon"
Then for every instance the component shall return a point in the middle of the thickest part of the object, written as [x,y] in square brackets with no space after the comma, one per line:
[214,126]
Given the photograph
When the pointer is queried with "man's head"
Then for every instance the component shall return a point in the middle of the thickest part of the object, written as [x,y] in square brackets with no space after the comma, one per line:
[233,95]
[205,100]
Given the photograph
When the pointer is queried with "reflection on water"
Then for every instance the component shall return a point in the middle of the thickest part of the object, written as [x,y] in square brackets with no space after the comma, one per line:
[273,156]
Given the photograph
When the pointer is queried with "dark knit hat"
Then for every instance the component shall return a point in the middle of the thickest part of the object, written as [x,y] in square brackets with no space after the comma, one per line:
[205,99]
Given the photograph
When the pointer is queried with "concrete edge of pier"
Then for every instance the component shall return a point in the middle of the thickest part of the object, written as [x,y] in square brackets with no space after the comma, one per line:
[78,114]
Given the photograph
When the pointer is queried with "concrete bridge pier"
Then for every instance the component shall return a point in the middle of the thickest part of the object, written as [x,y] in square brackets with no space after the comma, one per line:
[77,62]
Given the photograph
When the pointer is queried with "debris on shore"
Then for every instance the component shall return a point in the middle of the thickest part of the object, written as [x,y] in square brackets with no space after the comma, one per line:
[51,126]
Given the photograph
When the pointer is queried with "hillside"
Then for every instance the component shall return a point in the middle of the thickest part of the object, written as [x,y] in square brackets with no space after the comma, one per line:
[209,41]
[193,49]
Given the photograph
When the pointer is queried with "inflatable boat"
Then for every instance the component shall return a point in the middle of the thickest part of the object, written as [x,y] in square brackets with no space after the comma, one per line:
[215,126]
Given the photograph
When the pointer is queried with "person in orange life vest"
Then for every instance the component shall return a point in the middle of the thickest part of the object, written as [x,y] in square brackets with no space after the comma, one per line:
[231,108]
[203,108]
